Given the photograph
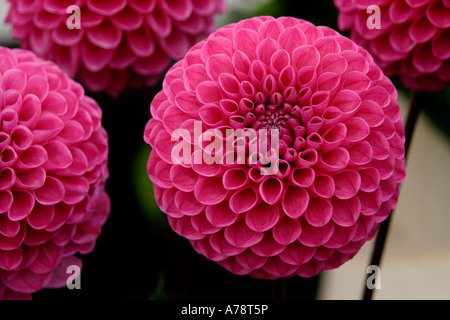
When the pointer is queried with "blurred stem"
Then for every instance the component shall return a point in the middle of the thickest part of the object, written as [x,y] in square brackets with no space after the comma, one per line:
[417,101]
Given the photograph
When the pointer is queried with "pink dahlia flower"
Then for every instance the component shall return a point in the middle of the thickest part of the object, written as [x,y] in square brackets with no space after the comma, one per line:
[412,40]
[339,156]
[53,168]
[119,43]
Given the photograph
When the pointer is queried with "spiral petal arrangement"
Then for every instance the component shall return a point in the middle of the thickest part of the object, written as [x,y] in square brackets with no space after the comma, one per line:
[53,169]
[340,152]
[119,44]
[412,40]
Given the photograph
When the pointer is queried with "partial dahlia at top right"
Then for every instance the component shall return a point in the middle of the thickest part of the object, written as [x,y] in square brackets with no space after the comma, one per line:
[411,39]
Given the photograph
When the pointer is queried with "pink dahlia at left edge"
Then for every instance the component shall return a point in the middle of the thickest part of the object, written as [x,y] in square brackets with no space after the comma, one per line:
[340,150]
[118,43]
[53,170]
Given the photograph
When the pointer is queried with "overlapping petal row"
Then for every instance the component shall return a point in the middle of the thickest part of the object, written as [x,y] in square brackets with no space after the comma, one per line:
[120,43]
[412,40]
[53,169]
[341,153]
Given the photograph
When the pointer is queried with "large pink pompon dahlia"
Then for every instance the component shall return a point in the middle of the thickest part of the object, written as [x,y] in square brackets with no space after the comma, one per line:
[53,169]
[118,43]
[277,147]
[407,38]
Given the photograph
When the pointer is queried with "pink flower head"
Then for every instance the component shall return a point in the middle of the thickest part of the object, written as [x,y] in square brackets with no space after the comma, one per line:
[340,147]
[118,43]
[53,169]
[412,39]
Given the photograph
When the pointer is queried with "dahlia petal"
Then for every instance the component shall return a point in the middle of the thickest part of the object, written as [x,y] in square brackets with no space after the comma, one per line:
[233,266]
[47,259]
[208,92]
[30,111]
[75,189]
[220,244]
[59,154]
[421,29]
[400,12]
[438,14]
[346,212]
[360,153]
[41,216]
[203,7]
[334,160]
[240,64]
[333,63]
[336,134]
[7,178]
[246,41]
[328,81]
[187,203]
[235,179]
[425,61]
[210,190]
[106,7]
[265,50]
[268,246]
[30,179]
[297,253]
[21,206]
[356,81]
[243,200]
[357,129]
[175,44]
[370,201]
[183,178]
[341,237]
[128,19]
[220,215]
[249,260]
[9,120]
[271,190]
[141,42]
[9,156]
[230,85]
[183,227]
[379,144]
[218,64]
[400,39]
[305,56]
[440,46]
[240,235]
[323,186]
[14,79]
[302,177]
[319,212]
[8,228]
[313,236]
[95,58]
[204,247]
[11,259]
[262,217]
[6,200]
[286,231]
